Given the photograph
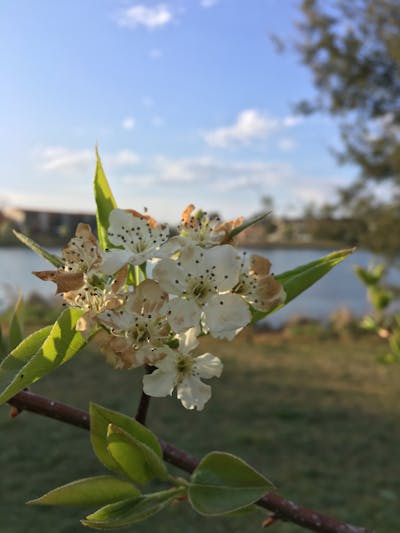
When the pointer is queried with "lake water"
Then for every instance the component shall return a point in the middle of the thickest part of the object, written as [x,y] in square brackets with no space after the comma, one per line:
[340,288]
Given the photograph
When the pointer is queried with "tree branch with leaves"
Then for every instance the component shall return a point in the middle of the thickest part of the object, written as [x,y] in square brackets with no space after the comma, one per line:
[145,298]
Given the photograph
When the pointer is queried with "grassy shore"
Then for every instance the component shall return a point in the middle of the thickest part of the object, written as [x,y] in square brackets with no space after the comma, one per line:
[319,417]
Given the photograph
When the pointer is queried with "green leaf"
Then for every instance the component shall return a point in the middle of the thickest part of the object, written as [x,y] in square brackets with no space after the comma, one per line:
[100,418]
[246,224]
[89,492]
[301,278]
[105,202]
[40,353]
[137,461]
[223,483]
[380,298]
[20,356]
[128,512]
[371,276]
[51,258]
[16,333]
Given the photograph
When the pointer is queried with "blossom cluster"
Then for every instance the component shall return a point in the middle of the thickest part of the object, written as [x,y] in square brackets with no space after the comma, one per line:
[199,284]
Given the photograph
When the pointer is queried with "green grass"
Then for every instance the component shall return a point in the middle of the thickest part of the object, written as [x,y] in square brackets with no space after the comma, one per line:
[319,417]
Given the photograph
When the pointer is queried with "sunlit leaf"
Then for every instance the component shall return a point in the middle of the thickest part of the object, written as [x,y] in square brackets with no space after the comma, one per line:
[88,492]
[40,353]
[105,202]
[137,460]
[128,512]
[51,258]
[101,418]
[301,278]
[223,483]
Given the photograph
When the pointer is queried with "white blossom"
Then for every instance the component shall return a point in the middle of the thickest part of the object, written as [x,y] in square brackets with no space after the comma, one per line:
[141,321]
[200,229]
[139,236]
[179,369]
[202,280]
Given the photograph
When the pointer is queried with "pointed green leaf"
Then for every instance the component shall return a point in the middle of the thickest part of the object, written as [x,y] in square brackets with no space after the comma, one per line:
[246,224]
[100,418]
[223,483]
[137,461]
[16,333]
[51,258]
[105,202]
[30,361]
[128,512]
[301,278]
[88,492]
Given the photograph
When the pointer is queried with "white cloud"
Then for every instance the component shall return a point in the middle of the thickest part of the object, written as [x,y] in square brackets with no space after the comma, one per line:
[80,162]
[292,120]
[208,3]
[122,158]
[250,125]
[128,123]
[155,53]
[140,15]
[218,175]
[59,158]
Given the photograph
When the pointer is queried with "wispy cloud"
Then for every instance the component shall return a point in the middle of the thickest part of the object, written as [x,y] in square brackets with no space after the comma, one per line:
[59,158]
[78,162]
[214,173]
[249,125]
[128,123]
[150,17]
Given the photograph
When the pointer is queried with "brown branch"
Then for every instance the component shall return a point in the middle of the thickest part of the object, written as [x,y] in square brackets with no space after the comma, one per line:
[144,403]
[285,509]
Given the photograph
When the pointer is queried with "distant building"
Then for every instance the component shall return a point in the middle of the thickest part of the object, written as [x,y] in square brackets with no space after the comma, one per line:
[51,223]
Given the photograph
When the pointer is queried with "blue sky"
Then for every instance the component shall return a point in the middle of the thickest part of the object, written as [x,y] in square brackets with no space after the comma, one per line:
[188,101]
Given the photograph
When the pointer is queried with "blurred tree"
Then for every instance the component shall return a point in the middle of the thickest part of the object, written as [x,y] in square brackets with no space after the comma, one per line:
[353,51]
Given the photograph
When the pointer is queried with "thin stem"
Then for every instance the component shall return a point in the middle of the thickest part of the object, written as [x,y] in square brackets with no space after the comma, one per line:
[143,407]
[286,509]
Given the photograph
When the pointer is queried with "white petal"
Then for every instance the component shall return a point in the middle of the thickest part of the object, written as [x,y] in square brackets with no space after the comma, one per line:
[173,245]
[208,366]
[227,266]
[170,276]
[159,383]
[120,222]
[121,321]
[182,314]
[192,259]
[114,260]
[148,297]
[226,313]
[188,341]
[167,362]
[193,393]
